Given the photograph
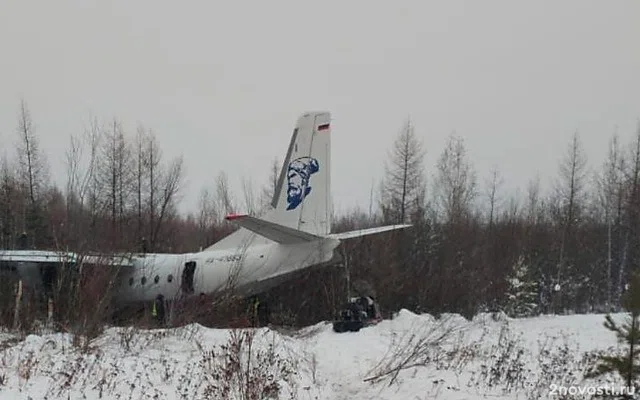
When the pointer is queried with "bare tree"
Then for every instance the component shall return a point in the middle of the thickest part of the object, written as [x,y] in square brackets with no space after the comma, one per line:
[81,162]
[269,189]
[570,190]
[533,199]
[73,157]
[33,168]
[208,216]
[9,219]
[571,184]
[493,186]
[611,189]
[115,178]
[33,175]
[90,190]
[156,186]
[140,179]
[250,197]
[512,211]
[403,188]
[632,210]
[455,182]
[171,183]
[223,193]
[169,187]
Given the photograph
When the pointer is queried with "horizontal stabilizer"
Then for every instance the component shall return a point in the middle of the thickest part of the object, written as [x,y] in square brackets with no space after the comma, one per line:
[272,231]
[364,232]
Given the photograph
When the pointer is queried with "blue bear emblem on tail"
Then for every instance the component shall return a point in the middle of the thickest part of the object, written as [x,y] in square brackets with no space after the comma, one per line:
[298,178]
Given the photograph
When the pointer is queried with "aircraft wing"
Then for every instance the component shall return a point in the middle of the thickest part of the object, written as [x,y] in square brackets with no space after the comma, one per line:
[36,256]
[364,232]
[276,232]
[60,257]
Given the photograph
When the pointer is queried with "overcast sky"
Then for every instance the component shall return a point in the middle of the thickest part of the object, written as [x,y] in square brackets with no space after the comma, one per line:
[223,83]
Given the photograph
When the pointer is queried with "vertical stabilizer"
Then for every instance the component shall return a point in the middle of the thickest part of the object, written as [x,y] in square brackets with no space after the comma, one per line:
[302,197]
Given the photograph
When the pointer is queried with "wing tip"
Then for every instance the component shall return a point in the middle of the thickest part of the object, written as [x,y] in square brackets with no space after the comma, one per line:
[234,216]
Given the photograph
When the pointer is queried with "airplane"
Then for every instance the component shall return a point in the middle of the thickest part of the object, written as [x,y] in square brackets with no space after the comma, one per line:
[293,235]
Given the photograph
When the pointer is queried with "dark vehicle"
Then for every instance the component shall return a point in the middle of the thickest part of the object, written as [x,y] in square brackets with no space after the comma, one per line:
[360,312]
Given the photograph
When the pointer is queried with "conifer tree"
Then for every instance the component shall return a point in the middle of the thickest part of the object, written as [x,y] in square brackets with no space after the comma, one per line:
[522,291]
[626,365]
[404,185]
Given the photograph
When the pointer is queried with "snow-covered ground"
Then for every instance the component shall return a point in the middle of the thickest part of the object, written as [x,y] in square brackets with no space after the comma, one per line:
[447,358]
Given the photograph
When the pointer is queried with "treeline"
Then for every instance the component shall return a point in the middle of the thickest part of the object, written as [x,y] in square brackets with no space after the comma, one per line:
[472,247]
[121,193]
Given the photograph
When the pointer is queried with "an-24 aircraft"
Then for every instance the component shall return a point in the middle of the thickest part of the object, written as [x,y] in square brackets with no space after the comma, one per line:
[294,234]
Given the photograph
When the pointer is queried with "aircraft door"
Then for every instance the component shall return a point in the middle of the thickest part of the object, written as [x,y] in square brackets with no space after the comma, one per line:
[188,274]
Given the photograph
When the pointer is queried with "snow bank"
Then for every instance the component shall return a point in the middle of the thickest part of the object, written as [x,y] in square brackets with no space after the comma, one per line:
[409,356]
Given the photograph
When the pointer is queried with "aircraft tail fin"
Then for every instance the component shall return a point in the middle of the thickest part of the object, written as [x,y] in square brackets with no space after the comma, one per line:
[301,198]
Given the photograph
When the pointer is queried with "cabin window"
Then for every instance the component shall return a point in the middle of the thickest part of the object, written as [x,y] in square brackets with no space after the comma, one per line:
[187,276]
[170,278]
[143,280]
[131,281]
[156,279]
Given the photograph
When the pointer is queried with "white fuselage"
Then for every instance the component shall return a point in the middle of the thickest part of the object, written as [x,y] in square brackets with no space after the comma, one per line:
[208,272]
